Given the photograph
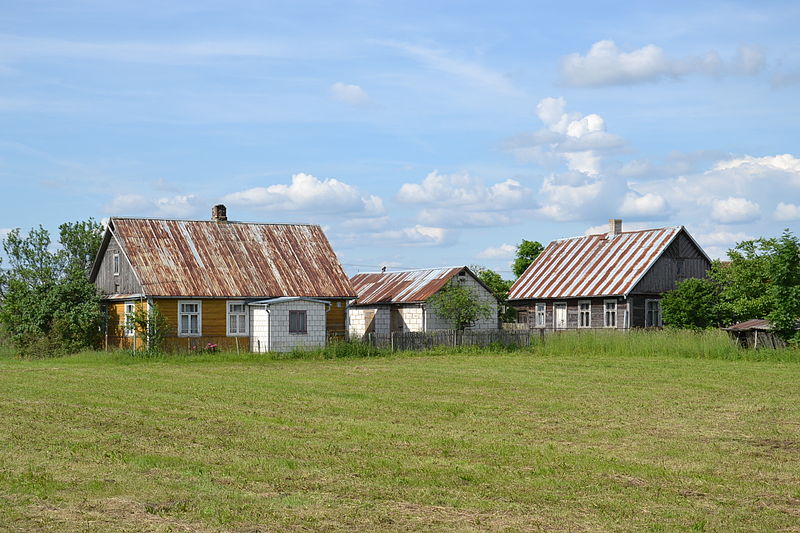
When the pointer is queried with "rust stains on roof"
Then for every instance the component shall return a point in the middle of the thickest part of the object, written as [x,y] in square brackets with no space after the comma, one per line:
[408,286]
[201,258]
[594,265]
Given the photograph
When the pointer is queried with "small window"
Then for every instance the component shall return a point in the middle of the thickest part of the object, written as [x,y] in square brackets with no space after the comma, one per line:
[237,319]
[679,272]
[115,262]
[610,314]
[127,324]
[540,315]
[189,316]
[584,314]
[298,322]
[652,317]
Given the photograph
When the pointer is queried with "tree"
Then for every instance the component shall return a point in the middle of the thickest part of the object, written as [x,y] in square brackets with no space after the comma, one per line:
[459,305]
[49,306]
[499,288]
[785,290]
[150,325]
[745,281]
[694,304]
[527,251]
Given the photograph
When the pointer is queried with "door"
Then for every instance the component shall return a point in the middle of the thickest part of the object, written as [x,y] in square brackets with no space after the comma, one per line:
[259,329]
[560,316]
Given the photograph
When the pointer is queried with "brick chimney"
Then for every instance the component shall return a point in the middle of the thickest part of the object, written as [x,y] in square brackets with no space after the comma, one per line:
[614,226]
[219,213]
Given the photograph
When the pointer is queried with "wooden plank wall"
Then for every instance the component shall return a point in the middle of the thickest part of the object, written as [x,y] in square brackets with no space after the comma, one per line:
[125,282]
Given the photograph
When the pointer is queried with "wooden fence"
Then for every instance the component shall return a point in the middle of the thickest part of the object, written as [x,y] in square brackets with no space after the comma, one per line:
[407,340]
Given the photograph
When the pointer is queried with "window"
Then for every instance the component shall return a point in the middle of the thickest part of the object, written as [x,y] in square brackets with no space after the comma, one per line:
[237,319]
[679,268]
[127,324]
[297,322]
[115,262]
[610,314]
[540,315]
[584,314]
[189,315]
[652,316]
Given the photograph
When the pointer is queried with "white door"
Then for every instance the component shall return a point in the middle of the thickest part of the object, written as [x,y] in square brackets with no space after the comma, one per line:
[259,329]
[560,316]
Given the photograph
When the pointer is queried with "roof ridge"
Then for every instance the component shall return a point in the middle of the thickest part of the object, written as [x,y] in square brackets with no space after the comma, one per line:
[215,222]
[620,233]
[412,270]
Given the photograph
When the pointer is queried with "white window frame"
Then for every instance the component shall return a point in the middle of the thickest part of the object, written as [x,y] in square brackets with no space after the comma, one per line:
[289,322]
[566,315]
[606,312]
[581,312]
[128,309]
[540,315]
[115,263]
[647,302]
[199,303]
[243,313]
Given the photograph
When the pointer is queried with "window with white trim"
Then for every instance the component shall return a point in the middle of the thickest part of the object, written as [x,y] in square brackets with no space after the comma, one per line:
[237,319]
[127,318]
[652,313]
[115,263]
[190,313]
[540,315]
[298,322]
[610,313]
[585,314]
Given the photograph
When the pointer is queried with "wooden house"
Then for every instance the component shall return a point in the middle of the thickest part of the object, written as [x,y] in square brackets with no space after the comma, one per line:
[610,280]
[237,285]
[398,301]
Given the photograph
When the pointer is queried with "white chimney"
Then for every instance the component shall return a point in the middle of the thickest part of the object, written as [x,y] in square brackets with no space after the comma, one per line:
[614,226]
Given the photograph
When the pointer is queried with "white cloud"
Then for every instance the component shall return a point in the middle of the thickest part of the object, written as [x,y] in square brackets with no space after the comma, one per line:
[178,206]
[366,223]
[504,251]
[719,238]
[605,64]
[307,193]
[626,226]
[418,235]
[463,219]
[461,189]
[644,205]
[734,210]
[352,95]
[787,212]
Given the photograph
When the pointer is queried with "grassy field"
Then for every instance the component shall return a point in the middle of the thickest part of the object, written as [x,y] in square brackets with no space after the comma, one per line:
[654,433]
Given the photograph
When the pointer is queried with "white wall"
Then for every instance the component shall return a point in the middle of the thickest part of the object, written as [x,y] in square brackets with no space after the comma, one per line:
[259,329]
[283,341]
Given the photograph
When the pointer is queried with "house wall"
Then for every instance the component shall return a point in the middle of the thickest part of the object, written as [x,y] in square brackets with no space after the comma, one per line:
[336,317]
[281,340]
[369,319]
[663,275]
[125,282]
[597,312]
[435,322]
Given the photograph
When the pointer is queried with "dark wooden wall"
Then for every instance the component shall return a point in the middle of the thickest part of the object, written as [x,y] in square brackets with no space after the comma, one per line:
[125,282]
[663,276]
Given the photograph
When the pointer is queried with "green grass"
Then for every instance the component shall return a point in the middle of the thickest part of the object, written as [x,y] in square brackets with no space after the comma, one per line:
[666,432]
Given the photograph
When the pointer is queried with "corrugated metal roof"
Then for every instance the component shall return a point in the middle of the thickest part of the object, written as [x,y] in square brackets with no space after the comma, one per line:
[407,286]
[287,299]
[755,323]
[593,265]
[205,258]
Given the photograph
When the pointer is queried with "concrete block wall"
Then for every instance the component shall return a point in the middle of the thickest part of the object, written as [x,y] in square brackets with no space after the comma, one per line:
[283,341]
[434,322]
[413,318]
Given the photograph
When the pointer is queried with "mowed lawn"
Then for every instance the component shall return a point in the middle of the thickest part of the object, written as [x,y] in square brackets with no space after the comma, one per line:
[514,441]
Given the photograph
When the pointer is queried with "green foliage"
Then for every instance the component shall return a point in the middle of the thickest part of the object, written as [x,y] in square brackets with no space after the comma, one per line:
[527,251]
[694,304]
[49,307]
[149,325]
[499,288]
[745,281]
[785,290]
[459,305]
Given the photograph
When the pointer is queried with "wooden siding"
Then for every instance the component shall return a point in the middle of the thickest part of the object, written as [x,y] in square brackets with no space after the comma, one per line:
[125,282]
[663,275]
[597,311]
[335,317]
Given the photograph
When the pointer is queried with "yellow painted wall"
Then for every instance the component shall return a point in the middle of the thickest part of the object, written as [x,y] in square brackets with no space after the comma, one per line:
[213,326]
[335,318]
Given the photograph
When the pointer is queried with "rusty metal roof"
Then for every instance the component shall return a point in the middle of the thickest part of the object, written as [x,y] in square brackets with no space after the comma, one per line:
[593,265]
[755,324]
[203,258]
[407,286]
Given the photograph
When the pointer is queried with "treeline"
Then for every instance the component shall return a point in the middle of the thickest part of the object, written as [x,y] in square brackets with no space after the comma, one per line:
[761,280]
[48,306]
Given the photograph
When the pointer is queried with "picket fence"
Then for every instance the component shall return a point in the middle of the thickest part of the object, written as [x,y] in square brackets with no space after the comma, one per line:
[424,340]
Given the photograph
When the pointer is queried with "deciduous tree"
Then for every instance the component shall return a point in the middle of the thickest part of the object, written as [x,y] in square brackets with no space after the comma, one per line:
[527,251]
[459,304]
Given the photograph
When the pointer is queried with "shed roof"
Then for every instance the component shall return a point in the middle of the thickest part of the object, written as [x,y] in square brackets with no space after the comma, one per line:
[406,286]
[604,264]
[206,258]
[754,324]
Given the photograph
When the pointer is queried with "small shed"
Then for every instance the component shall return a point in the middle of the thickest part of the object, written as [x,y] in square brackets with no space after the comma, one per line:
[756,333]
[282,324]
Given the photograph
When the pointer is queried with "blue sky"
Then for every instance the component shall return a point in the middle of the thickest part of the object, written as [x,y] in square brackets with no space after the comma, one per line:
[418,134]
